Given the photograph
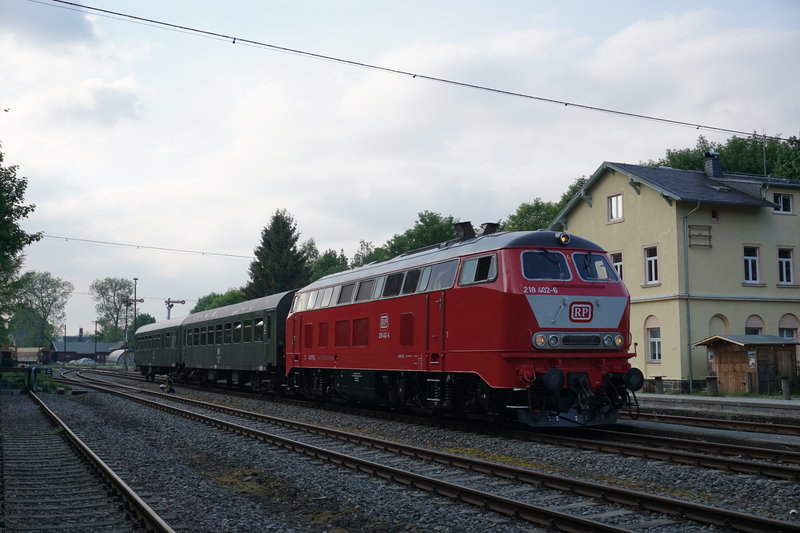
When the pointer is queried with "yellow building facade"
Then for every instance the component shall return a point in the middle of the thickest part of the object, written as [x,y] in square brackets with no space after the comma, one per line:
[701,253]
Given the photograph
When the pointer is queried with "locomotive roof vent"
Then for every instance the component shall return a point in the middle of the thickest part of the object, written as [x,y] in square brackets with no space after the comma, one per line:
[464,230]
[487,228]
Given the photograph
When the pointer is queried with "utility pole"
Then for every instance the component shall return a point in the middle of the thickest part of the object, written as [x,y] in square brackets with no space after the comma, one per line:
[170,302]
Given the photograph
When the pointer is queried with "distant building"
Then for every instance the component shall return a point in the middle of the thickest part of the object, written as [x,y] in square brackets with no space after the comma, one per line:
[76,349]
[702,253]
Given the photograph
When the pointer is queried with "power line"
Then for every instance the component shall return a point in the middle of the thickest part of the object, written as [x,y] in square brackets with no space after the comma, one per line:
[146,247]
[414,75]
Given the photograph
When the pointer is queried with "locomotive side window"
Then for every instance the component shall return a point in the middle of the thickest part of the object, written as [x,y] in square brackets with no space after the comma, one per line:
[423,279]
[312,300]
[478,270]
[326,297]
[258,330]
[365,290]
[376,293]
[411,281]
[443,275]
[323,334]
[346,295]
[593,267]
[394,282]
[341,333]
[247,333]
[360,331]
[545,264]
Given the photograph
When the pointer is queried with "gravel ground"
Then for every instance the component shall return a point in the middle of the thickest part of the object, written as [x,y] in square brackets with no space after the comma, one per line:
[242,486]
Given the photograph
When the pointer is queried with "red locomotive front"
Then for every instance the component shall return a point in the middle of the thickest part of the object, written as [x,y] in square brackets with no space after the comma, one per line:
[529,325]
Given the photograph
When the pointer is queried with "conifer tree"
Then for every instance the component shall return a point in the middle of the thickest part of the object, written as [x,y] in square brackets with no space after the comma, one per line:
[280,265]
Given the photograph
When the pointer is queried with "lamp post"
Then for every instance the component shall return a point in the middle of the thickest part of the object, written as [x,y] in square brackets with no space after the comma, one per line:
[95,338]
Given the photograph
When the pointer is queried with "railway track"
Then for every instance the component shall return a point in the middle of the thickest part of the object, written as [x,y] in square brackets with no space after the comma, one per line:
[53,482]
[503,488]
[720,423]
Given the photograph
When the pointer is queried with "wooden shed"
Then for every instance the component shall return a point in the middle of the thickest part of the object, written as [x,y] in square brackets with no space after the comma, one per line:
[751,363]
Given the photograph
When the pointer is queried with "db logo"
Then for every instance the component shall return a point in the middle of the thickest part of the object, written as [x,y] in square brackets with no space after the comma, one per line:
[580,312]
[384,321]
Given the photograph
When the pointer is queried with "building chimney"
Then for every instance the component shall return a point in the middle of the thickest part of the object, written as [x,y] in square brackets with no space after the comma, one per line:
[713,165]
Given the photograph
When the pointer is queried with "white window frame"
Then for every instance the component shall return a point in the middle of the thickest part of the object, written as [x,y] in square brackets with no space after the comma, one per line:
[751,264]
[654,345]
[614,204]
[617,264]
[650,266]
[785,266]
[782,198]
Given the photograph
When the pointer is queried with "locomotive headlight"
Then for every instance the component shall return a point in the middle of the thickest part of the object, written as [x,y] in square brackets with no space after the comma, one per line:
[563,238]
[608,341]
[553,340]
[619,340]
[539,340]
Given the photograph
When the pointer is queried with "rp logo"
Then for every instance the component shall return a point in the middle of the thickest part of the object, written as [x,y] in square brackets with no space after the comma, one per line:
[580,312]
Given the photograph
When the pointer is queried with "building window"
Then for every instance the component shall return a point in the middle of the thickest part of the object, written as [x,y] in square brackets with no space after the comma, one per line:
[651,265]
[787,333]
[784,203]
[785,266]
[615,208]
[616,261]
[754,325]
[788,326]
[715,214]
[751,264]
[654,345]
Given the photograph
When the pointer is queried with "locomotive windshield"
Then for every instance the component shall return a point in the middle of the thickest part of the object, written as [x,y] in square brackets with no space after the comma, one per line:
[593,267]
[545,264]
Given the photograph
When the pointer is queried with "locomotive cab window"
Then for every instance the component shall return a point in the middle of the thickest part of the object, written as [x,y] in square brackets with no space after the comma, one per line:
[544,264]
[593,267]
[478,270]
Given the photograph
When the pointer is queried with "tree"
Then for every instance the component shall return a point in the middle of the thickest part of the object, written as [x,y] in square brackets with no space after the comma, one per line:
[214,300]
[430,228]
[112,298]
[531,216]
[748,155]
[45,297]
[142,319]
[367,253]
[13,239]
[328,263]
[279,264]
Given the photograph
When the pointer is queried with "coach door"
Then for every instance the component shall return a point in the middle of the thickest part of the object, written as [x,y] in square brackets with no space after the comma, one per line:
[435,332]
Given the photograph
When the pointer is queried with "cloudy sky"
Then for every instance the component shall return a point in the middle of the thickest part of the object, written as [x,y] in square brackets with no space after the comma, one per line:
[133,134]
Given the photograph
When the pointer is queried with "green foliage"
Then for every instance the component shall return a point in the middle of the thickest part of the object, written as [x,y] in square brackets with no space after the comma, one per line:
[747,155]
[328,263]
[367,253]
[12,241]
[531,216]
[112,298]
[279,264]
[30,329]
[214,300]
[142,319]
[45,298]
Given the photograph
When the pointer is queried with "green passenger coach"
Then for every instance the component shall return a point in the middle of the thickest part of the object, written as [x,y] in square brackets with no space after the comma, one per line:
[239,344]
[158,347]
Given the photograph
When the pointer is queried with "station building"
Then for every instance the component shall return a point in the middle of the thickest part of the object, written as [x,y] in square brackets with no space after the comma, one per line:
[702,253]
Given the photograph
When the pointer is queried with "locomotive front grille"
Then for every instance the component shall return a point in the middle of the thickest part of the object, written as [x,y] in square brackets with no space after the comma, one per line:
[581,340]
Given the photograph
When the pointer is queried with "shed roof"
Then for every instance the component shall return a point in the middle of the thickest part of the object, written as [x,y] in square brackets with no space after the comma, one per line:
[747,340]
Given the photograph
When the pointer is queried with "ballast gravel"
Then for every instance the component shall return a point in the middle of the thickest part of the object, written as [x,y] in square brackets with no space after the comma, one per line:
[201,479]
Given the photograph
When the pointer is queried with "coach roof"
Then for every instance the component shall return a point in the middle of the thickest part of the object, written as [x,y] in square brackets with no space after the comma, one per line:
[452,249]
[266,302]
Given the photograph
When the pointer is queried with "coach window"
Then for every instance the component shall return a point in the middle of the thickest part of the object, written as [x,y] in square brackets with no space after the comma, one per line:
[196,336]
[218,335]
[326,297]
[203,338]
[188,337]
[165,340]
[258,330]
[394,282]
[228,336]
[478,270]
[411,281]
[365,290]
[237,332]
[346,294]
[247,331]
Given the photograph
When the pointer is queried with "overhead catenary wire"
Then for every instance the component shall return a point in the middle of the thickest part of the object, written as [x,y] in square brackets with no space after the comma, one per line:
[147,247]
[414,75]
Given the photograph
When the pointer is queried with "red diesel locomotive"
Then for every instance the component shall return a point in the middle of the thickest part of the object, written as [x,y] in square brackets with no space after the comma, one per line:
[532,326]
